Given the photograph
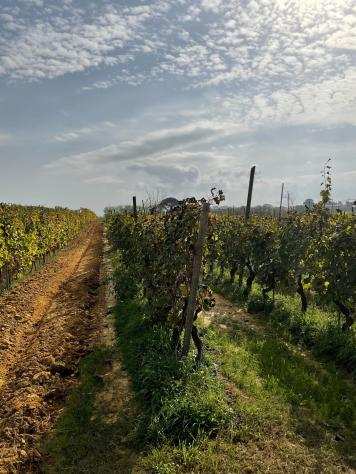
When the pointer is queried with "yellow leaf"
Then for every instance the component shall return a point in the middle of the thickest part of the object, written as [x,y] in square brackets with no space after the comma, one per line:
[184,290]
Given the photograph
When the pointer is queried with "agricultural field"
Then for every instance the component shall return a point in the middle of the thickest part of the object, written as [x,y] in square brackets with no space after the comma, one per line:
[177,237]
[183,341]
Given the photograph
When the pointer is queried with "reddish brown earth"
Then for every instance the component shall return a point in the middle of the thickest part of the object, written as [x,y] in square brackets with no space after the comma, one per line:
[48,322]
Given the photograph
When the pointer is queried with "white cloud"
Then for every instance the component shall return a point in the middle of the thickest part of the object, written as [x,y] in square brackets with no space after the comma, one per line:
[82,162]
[167,175]
[68,41]
[211,5]
[4,138]
[5,17]
[268,63]
[105,179]
[254,45]
[37,3]
[76,134]
[331,101]
[152,144]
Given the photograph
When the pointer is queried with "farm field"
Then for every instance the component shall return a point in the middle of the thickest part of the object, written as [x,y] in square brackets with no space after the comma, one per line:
[48,322]
[177,237]
[93,375]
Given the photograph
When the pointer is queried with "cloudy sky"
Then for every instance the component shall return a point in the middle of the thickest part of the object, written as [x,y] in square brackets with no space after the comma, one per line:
[103,99]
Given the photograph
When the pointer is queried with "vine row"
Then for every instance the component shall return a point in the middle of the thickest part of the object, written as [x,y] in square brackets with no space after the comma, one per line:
[28,234]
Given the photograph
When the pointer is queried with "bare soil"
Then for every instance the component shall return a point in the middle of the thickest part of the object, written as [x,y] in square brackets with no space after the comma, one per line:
[115,403]
[116,393]
[48,322]
[225,314]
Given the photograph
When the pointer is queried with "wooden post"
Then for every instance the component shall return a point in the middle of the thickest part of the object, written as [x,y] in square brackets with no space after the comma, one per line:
[249,195]
[194,286]
[134,202]
[280,203]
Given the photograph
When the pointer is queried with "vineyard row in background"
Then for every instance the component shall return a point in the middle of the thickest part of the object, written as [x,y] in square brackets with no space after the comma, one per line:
[29,234]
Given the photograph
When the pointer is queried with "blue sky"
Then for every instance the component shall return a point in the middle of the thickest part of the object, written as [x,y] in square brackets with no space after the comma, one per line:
[100,100]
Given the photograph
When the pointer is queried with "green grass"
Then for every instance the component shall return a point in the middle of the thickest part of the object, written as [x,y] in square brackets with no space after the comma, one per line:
[317,329]
[178,401]
[83,441]
[257,403]
[286,413]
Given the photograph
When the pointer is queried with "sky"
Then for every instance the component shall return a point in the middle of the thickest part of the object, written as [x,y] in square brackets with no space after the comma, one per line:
[103,100]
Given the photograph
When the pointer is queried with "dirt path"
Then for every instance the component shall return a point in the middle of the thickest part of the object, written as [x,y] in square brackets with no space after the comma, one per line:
[226,314]
[47,323]
[94,430]
[115,402]
[116,393]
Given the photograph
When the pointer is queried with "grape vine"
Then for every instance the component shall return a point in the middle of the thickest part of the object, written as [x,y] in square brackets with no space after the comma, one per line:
[156,253]
[312,253]
[29,233]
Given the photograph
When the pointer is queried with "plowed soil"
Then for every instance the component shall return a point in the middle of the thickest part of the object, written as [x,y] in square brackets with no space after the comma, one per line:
[48,323]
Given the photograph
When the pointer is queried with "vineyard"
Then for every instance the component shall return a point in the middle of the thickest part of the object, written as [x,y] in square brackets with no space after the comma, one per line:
[193,342]
[312,255]
[296,274]
[177,237]
[29,234]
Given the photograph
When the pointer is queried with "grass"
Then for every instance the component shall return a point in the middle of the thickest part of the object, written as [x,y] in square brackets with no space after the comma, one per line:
[83,440]
[178,400]
[317,329]
[286,414]
[257,404]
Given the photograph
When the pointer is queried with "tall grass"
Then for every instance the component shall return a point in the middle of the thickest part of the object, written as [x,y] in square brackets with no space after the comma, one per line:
[317,329]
